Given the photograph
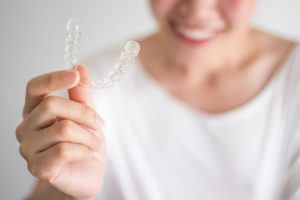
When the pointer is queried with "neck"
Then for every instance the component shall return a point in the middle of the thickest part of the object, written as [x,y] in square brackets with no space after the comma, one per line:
[207,63]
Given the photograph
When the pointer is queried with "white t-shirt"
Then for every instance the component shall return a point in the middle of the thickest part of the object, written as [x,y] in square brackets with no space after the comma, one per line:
[161,149]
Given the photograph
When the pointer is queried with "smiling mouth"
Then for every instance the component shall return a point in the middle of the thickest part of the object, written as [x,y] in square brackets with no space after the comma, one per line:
[193,35]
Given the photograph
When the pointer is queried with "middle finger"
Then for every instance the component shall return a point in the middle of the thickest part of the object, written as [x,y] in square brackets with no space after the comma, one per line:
[53,108]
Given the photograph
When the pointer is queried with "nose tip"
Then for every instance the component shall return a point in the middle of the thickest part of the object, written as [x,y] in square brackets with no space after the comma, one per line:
[197,9]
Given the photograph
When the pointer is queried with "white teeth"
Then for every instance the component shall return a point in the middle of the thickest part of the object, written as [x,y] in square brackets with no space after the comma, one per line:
[195,34]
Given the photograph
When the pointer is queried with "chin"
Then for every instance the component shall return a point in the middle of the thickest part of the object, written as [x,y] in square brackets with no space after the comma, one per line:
[192,52]
[184,44]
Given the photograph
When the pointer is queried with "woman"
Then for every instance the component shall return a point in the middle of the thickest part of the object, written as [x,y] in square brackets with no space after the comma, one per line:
[209,111]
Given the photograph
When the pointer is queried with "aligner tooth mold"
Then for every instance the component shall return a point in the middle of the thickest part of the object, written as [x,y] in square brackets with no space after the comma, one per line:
[72,39]
[131,50]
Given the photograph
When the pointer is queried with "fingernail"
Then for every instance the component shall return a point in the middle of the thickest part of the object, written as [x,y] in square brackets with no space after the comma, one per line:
[69,77]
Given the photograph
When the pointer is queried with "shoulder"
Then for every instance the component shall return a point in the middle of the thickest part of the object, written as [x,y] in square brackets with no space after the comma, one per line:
[285,56]
[291,89]
[292,68]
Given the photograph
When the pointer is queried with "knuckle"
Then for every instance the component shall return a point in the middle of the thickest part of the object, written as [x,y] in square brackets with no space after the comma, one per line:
[23,149]
[42,173]
[48,104]
[45,174]
[98,144]
[93,141]
[32,169]
[29,88]
[65,128]
[62,151]
[19,132]
[88,113]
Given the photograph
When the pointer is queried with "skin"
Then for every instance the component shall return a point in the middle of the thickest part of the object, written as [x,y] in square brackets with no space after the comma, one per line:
[66,152]
[62,139]
[230,69]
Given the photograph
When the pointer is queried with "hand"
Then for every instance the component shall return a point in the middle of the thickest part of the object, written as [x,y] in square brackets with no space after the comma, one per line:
[61,139]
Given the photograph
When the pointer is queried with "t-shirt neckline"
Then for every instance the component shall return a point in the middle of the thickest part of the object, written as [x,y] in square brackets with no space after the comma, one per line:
[233,114]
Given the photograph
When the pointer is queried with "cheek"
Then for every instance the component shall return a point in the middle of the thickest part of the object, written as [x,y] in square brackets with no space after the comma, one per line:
[161,8]
[238,12]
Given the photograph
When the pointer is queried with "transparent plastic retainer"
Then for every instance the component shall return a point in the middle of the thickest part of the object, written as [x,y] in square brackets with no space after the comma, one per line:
[131,50]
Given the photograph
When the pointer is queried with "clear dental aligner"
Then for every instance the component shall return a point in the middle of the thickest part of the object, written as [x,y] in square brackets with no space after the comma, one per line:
[131,50]
[74,29]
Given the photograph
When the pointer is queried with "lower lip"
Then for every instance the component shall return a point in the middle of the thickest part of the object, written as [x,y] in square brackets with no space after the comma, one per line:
[189,41]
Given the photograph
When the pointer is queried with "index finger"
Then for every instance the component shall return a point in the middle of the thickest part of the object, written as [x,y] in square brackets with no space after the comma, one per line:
[40,86]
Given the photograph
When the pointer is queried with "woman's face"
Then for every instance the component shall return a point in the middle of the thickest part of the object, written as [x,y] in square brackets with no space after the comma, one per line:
[191,29]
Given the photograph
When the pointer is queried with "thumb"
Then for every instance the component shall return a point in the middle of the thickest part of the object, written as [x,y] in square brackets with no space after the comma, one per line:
[82,92]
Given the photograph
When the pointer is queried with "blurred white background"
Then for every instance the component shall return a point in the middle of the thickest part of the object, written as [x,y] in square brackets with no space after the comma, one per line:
[32,42]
